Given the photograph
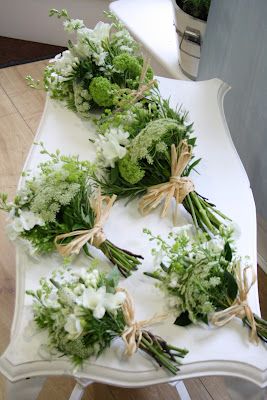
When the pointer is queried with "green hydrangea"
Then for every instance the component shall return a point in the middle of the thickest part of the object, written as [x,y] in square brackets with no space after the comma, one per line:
[102,91]
[130,170]
[125,63]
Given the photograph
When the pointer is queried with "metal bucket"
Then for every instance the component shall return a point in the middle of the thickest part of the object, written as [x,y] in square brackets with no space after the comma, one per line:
[190,32]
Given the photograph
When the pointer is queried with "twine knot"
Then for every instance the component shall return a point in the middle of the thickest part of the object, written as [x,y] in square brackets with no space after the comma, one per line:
[240,308]
[134,332]
[178,186]
[95,236]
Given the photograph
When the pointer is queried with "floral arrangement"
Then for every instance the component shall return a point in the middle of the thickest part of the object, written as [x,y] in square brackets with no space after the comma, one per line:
[144,146]
[205,280]
[147,149]
[83,311]
[103,67]
[57,210]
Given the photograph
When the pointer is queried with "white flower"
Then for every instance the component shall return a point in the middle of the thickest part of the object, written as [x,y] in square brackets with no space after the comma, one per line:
[65,63]
[51,300]
[215,245]
[78,290]
[95,301]
[73,25]
[14,229]
[185,229]
[29,219]
[100,32]
[114,301]
[173,282]
[112,146]
[99,58]
[73,327]
[89,278]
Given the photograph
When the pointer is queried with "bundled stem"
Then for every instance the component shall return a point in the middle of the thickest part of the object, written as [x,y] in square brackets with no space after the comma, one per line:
[203,213]
[123,259]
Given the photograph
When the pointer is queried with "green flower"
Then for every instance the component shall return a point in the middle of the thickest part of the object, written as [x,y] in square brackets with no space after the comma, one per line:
[125,63]
[102,91]
[130,170]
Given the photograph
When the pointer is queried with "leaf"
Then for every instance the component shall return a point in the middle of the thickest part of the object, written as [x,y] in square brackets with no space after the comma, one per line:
[192,166]
[204,318]
[114,174]
[87,252]
[183,319]
[232,288]
[113,278]
[227,252]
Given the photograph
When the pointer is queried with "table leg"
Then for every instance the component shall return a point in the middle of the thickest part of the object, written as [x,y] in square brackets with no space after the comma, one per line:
[79,389]
[181,389]
[26,389]
[240,389]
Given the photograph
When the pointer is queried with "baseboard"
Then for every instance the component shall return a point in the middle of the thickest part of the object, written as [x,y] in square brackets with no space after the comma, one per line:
[262,242]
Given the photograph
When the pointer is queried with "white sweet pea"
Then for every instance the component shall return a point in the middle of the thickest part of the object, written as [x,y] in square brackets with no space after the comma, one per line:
[112,146]
[29,219]
[100,32]
[95,301]
[114,301]
[65,63]
[73,327]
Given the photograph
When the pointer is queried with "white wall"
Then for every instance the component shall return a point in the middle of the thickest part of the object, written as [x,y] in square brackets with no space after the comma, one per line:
[28,19]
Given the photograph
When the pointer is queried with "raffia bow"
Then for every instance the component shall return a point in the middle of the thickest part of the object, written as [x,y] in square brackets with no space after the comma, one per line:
[178,187]
[134,332]
[95,236]
[240,308]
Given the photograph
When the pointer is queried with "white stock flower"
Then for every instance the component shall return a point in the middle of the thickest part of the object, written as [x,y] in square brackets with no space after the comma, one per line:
[73,327]
[112,145]
[50,300]
[89,278]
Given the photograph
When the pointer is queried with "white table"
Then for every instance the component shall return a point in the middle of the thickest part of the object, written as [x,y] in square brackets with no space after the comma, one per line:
[225,351]
[151,22]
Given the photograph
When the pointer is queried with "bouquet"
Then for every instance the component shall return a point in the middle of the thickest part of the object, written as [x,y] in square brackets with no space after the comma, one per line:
[102,68]
[205,281]
[57,210]
[147,149]
[83,311]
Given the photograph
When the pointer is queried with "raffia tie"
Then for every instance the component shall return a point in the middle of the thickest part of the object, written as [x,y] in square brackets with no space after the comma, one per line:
[94,236]
[240,308]
[178,186]
[133,332]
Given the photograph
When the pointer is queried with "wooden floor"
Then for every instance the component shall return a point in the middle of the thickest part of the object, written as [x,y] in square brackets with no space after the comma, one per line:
[20,112]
